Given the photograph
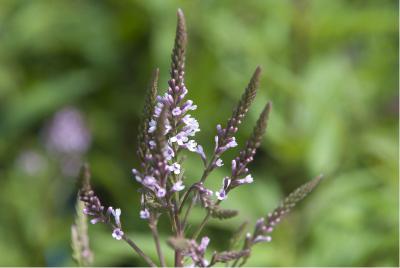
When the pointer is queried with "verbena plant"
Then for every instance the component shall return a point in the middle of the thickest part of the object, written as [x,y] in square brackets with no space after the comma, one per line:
[167,132]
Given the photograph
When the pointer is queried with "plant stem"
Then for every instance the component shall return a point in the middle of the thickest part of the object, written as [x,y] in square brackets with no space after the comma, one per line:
[235,263]
[178,253]
[184,198]
[203,223]
[154,230]
[132,244]
[187,213]
[139,251]
[178,258]
[205,174]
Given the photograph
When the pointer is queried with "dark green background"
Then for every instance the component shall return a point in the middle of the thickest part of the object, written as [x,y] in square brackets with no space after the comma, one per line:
[330,69]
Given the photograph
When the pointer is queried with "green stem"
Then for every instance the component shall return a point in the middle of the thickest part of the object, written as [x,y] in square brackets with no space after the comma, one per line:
[187,213]
[203,223]
[139,251]
[154,230]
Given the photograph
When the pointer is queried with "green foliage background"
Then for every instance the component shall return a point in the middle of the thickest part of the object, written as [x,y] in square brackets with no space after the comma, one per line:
[330,69]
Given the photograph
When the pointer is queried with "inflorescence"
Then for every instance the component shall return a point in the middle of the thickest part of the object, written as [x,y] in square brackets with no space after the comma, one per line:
[168,130]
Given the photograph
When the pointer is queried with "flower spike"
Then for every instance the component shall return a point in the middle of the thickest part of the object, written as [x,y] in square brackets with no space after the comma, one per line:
[225,137]
[148,110]
[179,50]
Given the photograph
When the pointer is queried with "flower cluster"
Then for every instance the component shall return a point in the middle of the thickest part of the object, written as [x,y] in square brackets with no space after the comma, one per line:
[225,136]
[196,252]
[94,208]
[169,129]
[240,173]
[92,204]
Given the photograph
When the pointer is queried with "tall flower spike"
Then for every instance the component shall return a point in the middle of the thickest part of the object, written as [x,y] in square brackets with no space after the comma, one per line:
[179,50]
[246,155]
[225,136]
[148,110]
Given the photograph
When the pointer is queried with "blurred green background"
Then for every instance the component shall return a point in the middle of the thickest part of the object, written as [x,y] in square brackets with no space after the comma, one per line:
[72,82]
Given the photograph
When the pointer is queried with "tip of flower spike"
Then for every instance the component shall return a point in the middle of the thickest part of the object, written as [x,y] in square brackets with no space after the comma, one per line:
[181,24]
[84,177]
[268,106]
[258,70]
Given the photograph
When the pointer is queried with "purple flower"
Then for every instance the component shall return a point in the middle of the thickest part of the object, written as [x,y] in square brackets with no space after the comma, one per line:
[87,211]
[247,179]
[168,127]
[152,126]
[232,143]
[158,108]
[149,181]
[144,214]
[204,244]
[178,186]
[152,144]
[117,214]
[191,146]
[200,151]
[203,190]
[175,167]
[161,192]
[188,106]
[192,126]
[221,195]
[169,153]
[180,138]
[96,220]
[261,238]
[117,233]
[176,111]
[137,175]
[226,182]
[269,229]
[234,166]
[219,162]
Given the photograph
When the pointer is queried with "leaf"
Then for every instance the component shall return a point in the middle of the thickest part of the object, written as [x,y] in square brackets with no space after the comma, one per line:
[219,213]
[178,243]
[227,256]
